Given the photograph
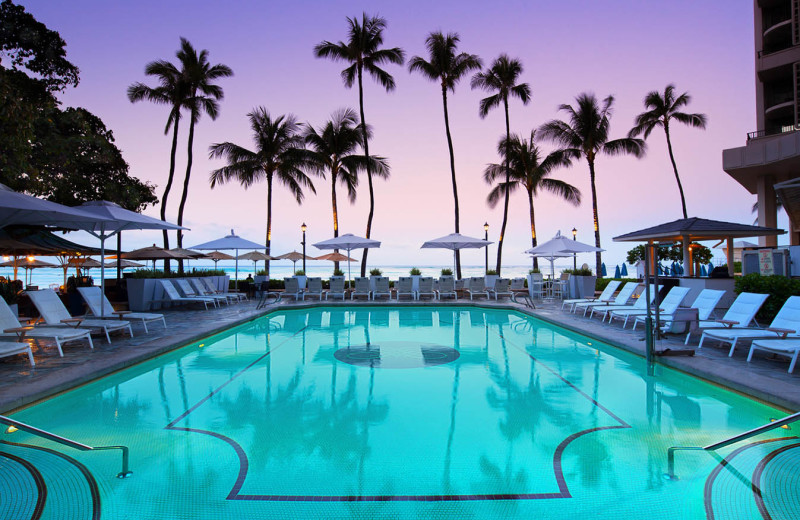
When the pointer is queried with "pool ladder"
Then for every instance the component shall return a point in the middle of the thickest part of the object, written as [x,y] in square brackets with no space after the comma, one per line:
[727,442]
[67,442]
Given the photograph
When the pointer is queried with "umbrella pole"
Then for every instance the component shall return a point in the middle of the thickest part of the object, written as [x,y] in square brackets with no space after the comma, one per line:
[349,282]
[236,272]
[103,273]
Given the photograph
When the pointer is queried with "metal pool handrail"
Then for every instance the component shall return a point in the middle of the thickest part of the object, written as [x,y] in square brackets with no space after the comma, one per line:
[68,442]
[727,442]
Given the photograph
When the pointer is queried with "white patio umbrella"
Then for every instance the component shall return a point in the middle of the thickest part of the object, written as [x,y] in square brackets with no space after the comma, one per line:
[454,242]
[231,241]
[18,208]
[112,219]
[348,242]
[561,244]
[552,258]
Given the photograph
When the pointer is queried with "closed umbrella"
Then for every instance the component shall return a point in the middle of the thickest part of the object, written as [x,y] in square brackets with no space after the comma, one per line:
[456,242]
[348,242]
[603,271]
[232,241]
[617,273]
[624,271]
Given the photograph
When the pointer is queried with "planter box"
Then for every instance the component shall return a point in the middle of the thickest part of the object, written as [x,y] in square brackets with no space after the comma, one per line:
[415,281]
[582,286]
[489,280]
[141,294]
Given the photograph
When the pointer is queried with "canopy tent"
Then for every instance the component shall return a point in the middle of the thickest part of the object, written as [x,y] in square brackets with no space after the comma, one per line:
[348,242]
[696,229]
[18,208]
[231,241]
[455,242]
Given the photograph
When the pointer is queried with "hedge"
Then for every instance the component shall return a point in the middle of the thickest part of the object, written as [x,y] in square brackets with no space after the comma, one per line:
[601,283]
[779,289]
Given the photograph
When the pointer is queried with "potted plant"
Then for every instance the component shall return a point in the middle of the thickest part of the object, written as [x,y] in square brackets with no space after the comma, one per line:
[10,292]
[447,272]
[373,273]
[416,274]
[261,276]
[301,278]
[490,278]
[581,282]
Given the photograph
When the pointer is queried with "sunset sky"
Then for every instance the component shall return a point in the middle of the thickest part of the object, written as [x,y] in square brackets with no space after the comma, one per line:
[621,47]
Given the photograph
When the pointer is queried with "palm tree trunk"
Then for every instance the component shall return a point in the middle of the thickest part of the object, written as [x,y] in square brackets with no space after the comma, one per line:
[533,227]
[505,205]
[168,187]
[269,220]
[675,169]
[335,212]
[598,258]
[453,174]
[369,171]
[185,188]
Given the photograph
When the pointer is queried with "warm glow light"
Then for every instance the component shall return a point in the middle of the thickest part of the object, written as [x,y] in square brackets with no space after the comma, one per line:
[486,226]
[201,345]
[31,258]
[574,233]
[785,426]
[304,227]
[11,429]
[5,258]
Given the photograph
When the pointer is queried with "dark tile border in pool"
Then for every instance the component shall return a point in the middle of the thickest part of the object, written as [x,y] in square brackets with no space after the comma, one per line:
[563,489]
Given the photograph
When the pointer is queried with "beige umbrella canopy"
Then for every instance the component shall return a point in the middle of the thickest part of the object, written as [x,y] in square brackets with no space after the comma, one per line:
[124,264]
[256,256]
[83,262]
[28,263]
[188,252]
[216,256]
[335,257]
[153,253]
[295,257]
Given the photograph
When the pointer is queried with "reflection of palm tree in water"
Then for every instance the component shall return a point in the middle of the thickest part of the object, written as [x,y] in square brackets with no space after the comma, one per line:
[446,484]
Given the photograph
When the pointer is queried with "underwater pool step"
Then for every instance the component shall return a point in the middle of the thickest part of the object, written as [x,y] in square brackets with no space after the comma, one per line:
[758,480]
[44,483]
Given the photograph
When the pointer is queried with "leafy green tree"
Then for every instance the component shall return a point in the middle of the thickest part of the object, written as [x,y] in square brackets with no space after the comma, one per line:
[363,52]
[527,170]
[278,156]
[501,78]
[585,135]
[334,150]
[661,110]
[202,95]
[446,67]
[171,91]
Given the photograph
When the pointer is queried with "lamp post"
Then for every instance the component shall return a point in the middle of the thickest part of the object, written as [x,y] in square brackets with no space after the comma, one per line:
[574,258]
[486,248]
[304,227]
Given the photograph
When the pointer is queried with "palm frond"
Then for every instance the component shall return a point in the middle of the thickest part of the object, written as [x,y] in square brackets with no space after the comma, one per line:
[626,145]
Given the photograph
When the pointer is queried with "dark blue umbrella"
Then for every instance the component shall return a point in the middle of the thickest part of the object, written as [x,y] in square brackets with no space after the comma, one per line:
[703,271]
[624,271]
[603,269]
[616,272]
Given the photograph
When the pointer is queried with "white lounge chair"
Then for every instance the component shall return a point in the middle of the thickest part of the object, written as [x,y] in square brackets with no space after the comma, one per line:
[741,313]
[362,288]
[667,306]
[291,287]
[213,290]
[382,288]
[785,325]
[606,295]
[426,288]
[639,304]
[98,304]
[705,303]
[404,288]
[622,298]
[12,328]
[337,288]
[202,290]
[314,287]
[173,296]
[782,347]
[518,285]
[477,287]
[501,288]
[54,313]
[186,288]
[447,287]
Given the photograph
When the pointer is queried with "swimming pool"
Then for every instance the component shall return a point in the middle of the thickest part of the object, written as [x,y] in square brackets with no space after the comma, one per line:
[413,412]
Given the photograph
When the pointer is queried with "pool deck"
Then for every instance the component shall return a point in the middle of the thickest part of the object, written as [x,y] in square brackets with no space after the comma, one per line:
[765,378]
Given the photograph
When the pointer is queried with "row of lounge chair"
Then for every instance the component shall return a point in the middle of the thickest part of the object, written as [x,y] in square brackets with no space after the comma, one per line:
[446,287]
[197,290]
[781,337]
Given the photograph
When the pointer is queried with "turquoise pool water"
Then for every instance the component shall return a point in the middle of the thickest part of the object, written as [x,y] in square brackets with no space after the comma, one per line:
[381,412]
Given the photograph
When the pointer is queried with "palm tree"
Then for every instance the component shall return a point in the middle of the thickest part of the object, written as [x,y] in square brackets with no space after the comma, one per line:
[362,51]
[586,135]
[528,171]
[334,148]
[661,110]
[446,67]
[202,96]
[279,156]
[171,91]
[501,78]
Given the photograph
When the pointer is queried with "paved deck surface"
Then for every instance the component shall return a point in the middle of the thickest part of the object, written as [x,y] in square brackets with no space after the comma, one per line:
[765,378]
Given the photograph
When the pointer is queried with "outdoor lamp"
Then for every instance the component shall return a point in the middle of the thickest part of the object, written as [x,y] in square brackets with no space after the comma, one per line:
[486,248]
[574,234]
[31,258]
[486,226]
[574,256]
[303,228]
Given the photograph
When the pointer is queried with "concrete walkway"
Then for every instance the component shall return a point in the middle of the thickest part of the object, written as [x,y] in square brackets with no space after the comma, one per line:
[764,379]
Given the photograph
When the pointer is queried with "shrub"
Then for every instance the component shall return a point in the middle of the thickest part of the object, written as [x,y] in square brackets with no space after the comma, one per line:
[447,272]
[414,271]
[375,272]
[491,272]
[778,287]
[535,270]
[261,272]
[583,271]
[155,273]
[338,272]
[299,272]
[10,291]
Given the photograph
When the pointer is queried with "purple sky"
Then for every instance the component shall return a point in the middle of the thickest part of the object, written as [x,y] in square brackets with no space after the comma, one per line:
[620,47]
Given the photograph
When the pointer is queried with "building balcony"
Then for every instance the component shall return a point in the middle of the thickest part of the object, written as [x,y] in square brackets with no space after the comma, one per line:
[776,155]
